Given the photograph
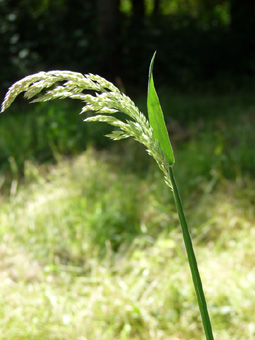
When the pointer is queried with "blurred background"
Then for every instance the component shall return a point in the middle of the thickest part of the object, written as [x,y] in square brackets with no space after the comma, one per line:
[91,246]
[197,40]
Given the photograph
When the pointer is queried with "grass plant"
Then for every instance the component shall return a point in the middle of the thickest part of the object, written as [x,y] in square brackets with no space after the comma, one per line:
[152,135]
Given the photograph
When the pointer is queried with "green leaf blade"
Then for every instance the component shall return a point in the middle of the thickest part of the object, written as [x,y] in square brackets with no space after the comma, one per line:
[156,118]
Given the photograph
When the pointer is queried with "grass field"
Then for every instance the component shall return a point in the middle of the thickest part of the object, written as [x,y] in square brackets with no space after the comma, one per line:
[91,247]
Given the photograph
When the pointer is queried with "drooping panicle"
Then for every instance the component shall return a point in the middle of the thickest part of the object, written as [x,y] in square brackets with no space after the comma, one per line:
[106,100]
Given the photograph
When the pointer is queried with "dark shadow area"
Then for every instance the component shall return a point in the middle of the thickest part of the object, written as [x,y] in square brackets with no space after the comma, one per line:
[197,41]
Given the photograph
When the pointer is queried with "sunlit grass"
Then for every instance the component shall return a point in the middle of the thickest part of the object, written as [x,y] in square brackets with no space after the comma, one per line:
[89,246]
[89,252]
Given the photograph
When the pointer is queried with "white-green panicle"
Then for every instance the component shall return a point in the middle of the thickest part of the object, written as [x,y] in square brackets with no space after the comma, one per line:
[106,101]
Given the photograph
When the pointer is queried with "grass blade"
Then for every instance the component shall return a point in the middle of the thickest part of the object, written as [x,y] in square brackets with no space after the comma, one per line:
[156,118]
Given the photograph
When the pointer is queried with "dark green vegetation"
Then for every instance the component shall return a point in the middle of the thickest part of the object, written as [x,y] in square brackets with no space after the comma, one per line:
[90,241]
[220,127]
[197,40]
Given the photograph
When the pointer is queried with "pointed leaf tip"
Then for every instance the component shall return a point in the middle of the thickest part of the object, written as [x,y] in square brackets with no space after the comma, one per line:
[156,117]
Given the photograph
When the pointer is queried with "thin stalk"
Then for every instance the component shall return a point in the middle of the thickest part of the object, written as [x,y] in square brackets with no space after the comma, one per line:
[192,261]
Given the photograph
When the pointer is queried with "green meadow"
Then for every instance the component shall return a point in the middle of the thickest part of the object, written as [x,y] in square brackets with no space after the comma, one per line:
[91,247]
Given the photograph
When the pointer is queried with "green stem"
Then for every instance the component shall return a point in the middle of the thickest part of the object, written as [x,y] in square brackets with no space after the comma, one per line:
[192,261]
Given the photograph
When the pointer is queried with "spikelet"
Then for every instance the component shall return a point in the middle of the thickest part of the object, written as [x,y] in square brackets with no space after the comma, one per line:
[106,101]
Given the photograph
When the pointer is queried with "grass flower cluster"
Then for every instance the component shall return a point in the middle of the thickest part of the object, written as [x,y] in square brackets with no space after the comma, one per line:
[108,101]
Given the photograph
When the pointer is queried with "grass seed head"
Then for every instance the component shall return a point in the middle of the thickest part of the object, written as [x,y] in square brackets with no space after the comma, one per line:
[107,100]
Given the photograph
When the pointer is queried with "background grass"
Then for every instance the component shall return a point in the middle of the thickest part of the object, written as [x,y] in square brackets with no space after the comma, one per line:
[90,242]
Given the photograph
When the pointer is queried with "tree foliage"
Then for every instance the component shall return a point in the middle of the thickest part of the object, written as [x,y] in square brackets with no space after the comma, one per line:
[196,39]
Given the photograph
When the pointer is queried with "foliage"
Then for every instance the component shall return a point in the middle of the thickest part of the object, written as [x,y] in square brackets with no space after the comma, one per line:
[122,229]
[86,241]
[195,40]
[108,100]
[56,283]
[50,132]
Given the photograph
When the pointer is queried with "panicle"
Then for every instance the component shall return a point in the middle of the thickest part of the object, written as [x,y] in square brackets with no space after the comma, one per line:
[106,101]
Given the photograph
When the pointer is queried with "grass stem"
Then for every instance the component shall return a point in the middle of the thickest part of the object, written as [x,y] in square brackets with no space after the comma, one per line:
[192,261]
